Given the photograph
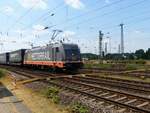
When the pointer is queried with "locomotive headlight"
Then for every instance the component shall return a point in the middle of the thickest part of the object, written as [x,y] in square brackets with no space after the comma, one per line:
[73,57]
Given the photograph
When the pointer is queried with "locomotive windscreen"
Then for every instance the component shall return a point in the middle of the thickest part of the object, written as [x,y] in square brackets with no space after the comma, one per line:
[72,53]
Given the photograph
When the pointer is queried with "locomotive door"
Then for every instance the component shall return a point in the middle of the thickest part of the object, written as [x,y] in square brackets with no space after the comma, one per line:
[53,54]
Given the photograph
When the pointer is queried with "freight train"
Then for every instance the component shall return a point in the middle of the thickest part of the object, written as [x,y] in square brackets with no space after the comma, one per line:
[59,55]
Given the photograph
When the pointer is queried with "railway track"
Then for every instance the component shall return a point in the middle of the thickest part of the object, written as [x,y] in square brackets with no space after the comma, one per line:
[122,102]
[121,85]
[116,72]
[117,79]
[137,87]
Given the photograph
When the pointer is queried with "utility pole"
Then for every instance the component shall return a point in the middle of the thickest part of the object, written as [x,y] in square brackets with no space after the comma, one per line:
[109,42]
[119,48]
[100,45]
[122,39]
[106,48]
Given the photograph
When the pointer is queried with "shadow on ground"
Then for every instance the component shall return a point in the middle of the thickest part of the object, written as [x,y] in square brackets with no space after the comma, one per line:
[4,92]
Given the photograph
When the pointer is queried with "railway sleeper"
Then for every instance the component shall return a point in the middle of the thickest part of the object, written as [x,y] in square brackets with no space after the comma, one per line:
[122,98]
[100,103]
[110,106]
[97,92]
[111,96]
[90,90]
[104,94]
[121,110]
[143,104]
[131,101]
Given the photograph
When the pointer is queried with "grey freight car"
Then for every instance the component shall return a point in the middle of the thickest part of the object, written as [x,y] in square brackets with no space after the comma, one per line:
[17,57]
[4,58]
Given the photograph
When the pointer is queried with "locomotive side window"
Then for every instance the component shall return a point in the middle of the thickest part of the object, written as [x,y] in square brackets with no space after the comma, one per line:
[57,49]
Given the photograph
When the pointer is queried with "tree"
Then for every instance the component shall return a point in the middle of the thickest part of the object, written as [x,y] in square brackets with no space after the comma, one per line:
[140,54]
[148,54]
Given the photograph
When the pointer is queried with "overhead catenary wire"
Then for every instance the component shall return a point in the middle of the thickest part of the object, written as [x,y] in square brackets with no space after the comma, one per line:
[108,13]
[46,15]
[62,4]
[22,16]
[28,11]
[124,18]
[88,12]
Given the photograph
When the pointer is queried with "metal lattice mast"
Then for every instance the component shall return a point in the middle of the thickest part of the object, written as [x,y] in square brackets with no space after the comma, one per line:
[122,39]
[100,44]
[119,48]
[106,47]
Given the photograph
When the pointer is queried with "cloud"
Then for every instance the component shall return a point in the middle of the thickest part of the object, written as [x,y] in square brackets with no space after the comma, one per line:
[8,10]
[68,34]
[107,1]
[36,4]
[38,27]
[19,31]
[77,4]
[39,30]
[138,32]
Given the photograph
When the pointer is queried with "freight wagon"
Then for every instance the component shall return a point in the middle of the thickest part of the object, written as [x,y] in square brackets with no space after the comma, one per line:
[17,57]
[4,58]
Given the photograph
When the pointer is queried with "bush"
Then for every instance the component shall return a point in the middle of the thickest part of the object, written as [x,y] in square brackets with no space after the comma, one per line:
[52,92]
[131,66]
[140,61]
[79,108]
[97,65]
[3,72]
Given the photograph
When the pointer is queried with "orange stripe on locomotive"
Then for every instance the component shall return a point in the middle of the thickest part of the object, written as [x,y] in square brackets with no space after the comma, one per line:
[58,64]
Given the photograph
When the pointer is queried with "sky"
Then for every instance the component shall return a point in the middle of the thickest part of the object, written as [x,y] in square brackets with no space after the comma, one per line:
[22,23]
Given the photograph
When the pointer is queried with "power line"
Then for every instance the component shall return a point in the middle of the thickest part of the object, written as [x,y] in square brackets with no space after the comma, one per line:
[40,18]
[89,12]
[118,10]
[47,14]
[125,18]
[96,9]
[22,16]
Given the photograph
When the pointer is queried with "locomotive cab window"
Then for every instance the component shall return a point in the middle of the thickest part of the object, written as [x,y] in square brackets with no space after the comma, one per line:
[57,49]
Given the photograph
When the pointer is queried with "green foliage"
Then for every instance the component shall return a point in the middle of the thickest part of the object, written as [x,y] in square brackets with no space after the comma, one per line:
[131,67]
[140,61]
[98,65]
[52,92]
[139,54]
[79,108]
[3,72]
[89,56]
[148,54]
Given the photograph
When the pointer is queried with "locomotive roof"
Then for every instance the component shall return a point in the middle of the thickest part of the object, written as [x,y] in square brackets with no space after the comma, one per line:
[67,45]
[18,50]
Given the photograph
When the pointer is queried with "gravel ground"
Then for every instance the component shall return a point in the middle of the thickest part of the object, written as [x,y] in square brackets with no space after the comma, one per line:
[69,98]
[33,100]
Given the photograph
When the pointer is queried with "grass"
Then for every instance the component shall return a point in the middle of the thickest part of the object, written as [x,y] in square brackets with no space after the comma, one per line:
[52,93]
[97,65]
[78,108]
[127,77]
[3,72]
[126,66]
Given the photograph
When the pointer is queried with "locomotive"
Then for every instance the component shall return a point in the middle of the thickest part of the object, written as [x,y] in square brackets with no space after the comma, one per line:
[59,55]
